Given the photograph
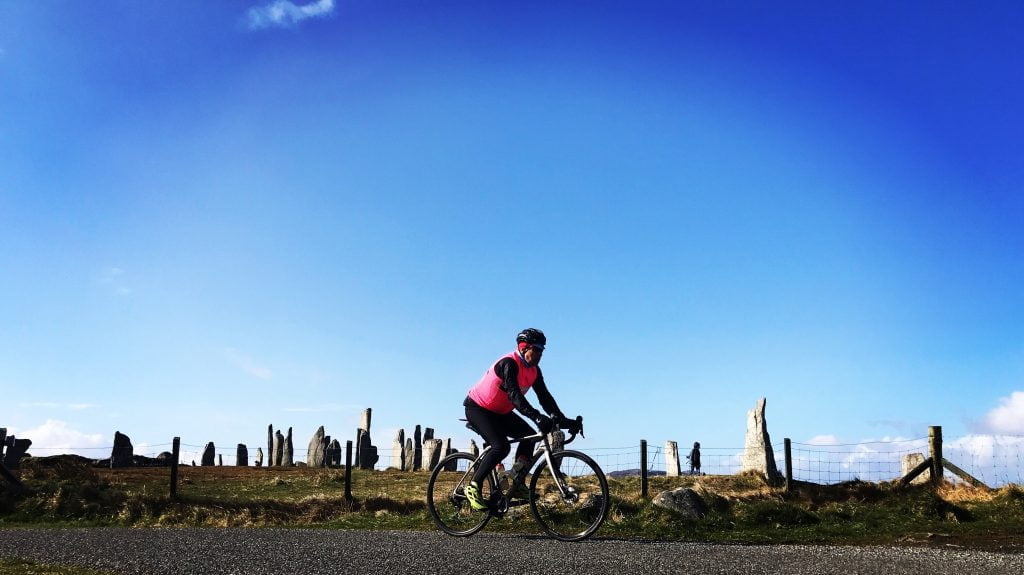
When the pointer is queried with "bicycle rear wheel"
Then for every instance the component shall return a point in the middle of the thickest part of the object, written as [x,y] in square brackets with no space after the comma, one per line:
[446,499]
[575,511]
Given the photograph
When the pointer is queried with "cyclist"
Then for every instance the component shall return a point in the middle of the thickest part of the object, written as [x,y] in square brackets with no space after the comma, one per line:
[490,405]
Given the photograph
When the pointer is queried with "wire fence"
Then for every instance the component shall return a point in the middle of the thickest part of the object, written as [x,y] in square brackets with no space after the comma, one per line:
[996,460]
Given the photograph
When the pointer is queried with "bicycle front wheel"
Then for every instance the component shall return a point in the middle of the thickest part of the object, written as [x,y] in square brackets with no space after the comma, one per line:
[570,501]
[446,498]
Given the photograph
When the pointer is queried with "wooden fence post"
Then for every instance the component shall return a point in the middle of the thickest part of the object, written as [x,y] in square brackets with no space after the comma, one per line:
[643,468]
[348,471]
[935,453]
[788,446]
[175,452]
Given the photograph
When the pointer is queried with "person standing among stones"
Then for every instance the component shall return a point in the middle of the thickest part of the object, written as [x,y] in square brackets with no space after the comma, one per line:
[694,458]
[490,407]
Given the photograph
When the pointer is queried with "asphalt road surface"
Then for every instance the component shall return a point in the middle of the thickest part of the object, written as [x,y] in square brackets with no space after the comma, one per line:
[182,551]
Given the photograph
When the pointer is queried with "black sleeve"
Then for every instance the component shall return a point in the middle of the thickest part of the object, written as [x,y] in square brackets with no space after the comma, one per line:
[508,371]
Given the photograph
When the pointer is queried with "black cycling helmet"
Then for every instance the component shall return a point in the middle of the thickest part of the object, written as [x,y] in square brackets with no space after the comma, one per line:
[532,337]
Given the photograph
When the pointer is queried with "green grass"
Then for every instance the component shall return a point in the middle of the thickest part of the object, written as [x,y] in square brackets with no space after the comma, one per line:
[741,508]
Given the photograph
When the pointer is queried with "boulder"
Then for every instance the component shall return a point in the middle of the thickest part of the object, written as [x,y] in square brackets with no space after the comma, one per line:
[121,455]
[683,501]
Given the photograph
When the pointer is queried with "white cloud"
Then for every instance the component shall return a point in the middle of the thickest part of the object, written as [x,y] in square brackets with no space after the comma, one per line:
[823,440]
[247,364]
[287,14]
[113,278]
[1008,418]
[55,437]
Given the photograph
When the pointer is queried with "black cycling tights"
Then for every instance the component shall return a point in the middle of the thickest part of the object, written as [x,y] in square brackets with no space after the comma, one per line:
[496,428]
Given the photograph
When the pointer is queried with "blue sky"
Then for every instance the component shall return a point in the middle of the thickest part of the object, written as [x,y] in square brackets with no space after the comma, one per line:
[216,216]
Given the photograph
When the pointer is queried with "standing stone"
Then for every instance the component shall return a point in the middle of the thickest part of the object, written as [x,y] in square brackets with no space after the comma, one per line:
[123,454]
[270,445]
[278,453]
[367,453]
[241,456]
[417,458]
[473,449]
[3,442]
[757,452]
[16,449]
[410,454]
[364,422]
[672,459]
[317,449]
[220,460]
[286,457]
[398,451]
[431,453]
[209,454]
[334,453]
[259,457]
[909,462]
[428,433]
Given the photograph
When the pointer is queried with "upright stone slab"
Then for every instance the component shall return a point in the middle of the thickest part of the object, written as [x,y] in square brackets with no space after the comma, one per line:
[367,453]
[757,452]
[316,456]
[16,449]
[209,455]
[287,456]
[398,451]
[220,460]
[431,453]
[473,449]
[241,456]
[410,454]
[428,433]
[270,445]
[3,442]
[909,462]
[334,453]
[417,458]
[672,459]
[259,457]
[364,422]
[278,453]
[122,454]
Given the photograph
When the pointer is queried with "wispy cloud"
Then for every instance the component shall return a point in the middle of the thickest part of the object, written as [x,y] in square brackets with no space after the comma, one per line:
[287,14]
[113,278]
[55,405]
[247,364]
[56,437]
[1008,417]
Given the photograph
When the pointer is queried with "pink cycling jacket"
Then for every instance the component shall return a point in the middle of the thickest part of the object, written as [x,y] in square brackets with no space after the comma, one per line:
[487,393]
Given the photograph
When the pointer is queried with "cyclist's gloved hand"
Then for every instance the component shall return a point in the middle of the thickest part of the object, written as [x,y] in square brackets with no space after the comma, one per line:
[544,423]
[573,426]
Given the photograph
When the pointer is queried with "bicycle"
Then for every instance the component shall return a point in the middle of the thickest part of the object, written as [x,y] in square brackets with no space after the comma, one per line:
[568,490]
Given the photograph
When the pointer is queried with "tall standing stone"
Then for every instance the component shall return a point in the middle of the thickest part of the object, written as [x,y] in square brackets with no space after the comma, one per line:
[259,457]
[417,458]
[410,454]
[278,453]
[473,449]
[209,455]
[428,433]
[672,459]
[757,452]
[334,453]
[241,456]
[317,449]
[911,460]
[287,457]
[270,445]
[123,454]
[367,453]
[364,422]
[398,451]
[431,454]
[16,449]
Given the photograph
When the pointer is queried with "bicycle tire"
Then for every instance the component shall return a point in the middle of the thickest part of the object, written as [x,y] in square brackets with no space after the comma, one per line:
[448,507]
[577,517]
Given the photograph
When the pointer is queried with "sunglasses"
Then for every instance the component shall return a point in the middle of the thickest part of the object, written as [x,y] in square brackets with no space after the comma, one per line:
[538,347]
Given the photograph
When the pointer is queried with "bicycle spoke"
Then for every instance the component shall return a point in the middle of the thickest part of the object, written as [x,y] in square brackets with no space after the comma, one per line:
[447,501]
[571,502]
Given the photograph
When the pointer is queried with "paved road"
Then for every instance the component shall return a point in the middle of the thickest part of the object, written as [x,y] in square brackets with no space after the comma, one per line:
[182,551]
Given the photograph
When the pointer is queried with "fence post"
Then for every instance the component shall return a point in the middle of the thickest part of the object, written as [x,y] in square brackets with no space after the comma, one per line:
[348,471]
[643,468]
[175,452]
[789,462]
[935,451]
